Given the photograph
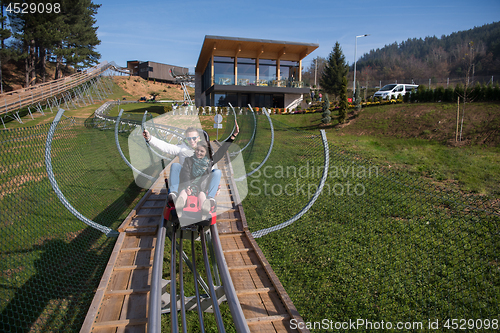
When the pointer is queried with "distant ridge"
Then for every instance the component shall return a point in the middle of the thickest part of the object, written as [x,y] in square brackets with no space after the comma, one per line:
[436,57]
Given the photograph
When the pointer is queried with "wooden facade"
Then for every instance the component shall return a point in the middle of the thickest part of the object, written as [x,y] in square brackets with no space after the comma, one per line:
[251,48]
[150,70]
[271,89]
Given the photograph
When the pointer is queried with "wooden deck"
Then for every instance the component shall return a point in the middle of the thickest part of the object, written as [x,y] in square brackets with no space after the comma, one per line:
[121,301]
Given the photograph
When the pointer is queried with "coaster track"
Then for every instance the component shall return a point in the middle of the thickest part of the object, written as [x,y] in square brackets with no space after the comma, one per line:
[240,264]
[70,89]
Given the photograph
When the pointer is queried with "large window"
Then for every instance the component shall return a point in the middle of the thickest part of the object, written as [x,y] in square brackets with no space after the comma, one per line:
[278,101]
[245,99]
[289,70]
[220,100]
[231,98]
[223,99]
[267,69]
[223,70]
[206,79]
[263,100]
[246,71]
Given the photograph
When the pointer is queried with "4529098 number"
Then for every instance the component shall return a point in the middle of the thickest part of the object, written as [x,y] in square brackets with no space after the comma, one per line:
[471,324]
[33,8]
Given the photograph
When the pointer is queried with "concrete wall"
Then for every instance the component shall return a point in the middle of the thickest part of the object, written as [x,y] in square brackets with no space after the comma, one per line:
[293,99]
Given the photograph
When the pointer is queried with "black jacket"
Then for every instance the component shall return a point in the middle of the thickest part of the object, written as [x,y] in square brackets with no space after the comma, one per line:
[186,177]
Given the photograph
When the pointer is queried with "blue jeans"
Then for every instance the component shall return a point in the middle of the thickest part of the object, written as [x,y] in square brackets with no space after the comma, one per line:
[213,184]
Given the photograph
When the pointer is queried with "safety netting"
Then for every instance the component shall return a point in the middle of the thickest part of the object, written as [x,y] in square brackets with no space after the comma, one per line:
[51,262]
[378,246]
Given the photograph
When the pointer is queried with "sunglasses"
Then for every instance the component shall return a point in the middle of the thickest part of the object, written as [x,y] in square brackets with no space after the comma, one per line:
[192,138]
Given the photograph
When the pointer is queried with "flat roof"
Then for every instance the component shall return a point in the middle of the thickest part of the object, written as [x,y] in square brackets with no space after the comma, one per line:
[252,48]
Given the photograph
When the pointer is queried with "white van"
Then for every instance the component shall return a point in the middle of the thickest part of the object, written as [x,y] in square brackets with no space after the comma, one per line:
[395,90]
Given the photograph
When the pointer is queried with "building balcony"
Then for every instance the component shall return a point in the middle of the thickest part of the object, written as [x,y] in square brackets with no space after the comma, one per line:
[251,80]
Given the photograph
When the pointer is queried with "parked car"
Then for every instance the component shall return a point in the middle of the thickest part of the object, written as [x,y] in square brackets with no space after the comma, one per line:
[395,90]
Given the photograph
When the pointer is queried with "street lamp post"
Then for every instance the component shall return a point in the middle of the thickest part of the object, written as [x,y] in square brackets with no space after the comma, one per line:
[355,56]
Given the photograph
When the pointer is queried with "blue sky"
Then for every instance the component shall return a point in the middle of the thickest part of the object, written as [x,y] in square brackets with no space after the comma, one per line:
[172,32]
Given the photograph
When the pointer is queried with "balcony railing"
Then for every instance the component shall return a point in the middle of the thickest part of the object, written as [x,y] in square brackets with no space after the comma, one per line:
[247,80]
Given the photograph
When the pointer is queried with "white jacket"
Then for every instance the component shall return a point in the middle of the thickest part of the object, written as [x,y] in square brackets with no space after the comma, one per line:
[182,150]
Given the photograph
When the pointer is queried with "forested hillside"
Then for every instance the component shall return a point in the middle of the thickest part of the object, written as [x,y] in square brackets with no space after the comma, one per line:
[440,60]
[436,57]
[34,35]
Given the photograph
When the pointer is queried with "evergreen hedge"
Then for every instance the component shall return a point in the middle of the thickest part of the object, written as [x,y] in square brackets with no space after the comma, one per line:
[476,93]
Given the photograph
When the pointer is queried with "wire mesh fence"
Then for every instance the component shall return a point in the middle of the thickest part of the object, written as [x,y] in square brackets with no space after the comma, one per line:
[429,82]
[378,245]
[51,263]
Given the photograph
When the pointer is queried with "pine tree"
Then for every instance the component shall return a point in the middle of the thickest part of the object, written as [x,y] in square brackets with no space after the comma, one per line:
[4,34]
[357,98]
[326,111]
[67,35]
[343,101]
[82,39]
[335,69]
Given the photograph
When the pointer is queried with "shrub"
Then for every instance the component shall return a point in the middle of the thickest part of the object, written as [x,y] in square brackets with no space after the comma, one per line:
[448,95]
[406,97]
[429,95]
[496,92]
[357,98]
[343,104]
[478,92]
[438,94]
[459,90]
[167,108]
[326,111]
[489,93]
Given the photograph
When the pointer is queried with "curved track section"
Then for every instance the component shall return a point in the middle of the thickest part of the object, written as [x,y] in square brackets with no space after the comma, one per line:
[121,152]
[270,146]
[234,125]
[147,143]
[48,163]
[263,232]
[253,133]
[123,301]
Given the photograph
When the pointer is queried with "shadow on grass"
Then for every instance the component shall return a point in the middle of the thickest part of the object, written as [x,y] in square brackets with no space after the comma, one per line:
[57,296]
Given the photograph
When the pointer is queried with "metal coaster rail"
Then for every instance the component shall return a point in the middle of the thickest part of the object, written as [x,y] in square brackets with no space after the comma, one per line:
[48,163]
[212,243]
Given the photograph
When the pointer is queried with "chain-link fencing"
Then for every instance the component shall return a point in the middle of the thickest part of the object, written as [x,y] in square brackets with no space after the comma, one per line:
[51,262]
[378,245]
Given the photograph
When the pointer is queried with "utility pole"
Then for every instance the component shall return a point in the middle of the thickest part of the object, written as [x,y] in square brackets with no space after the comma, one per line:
[315,70]
[355,56]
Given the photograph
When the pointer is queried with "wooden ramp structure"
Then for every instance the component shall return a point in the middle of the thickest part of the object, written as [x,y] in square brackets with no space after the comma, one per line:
[17,99]
[121,302]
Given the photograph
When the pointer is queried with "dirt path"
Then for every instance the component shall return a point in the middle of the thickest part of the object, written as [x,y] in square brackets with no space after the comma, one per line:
[138,87]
